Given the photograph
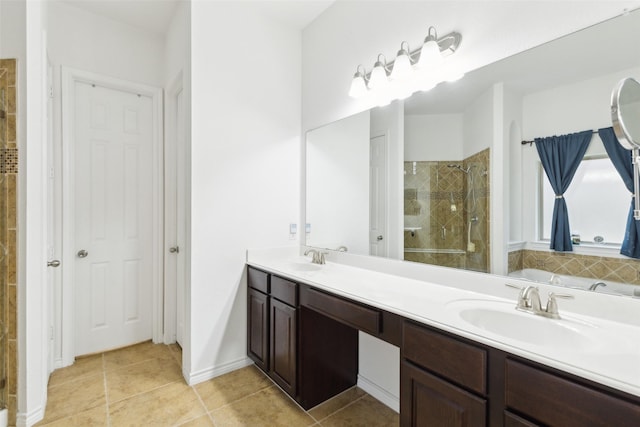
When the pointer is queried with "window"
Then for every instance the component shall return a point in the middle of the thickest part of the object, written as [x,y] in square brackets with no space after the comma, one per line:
[597,200]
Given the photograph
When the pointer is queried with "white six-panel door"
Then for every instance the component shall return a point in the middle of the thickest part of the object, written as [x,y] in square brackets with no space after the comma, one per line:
[378,196]
[113,173]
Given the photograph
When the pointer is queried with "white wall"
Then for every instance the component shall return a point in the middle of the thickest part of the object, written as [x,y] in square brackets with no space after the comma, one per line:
[433,137]
[557,111]
[337,183]
[478,124]
[90,42]
[245,156]
[21,38]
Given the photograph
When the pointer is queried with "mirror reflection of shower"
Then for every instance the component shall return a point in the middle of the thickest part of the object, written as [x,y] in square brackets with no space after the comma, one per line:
[447,212]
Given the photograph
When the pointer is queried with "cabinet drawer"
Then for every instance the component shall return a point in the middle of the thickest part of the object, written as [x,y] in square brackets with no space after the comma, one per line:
[512,420]
[284,290]
[461,363]
[556,401]
[427,400]
[353,314]
[258,280]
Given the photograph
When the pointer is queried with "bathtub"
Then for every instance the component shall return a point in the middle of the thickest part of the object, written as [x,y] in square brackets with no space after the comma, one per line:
[542,276]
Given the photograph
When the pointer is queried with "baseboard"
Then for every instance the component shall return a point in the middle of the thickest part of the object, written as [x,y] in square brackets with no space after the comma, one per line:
[215,371]
[379,393]
[26,420]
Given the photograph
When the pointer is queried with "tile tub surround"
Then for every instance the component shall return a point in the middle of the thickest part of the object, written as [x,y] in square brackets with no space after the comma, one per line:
[141,385]
[624,270]
[423,293]
[8,232]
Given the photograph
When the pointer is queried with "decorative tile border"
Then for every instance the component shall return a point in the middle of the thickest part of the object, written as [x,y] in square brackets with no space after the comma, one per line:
[595,267]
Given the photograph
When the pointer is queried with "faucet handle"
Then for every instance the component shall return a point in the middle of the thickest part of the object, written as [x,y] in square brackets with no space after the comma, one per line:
[552,304]
[523,297]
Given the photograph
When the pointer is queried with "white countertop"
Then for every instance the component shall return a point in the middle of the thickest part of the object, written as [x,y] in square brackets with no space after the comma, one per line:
[612,357]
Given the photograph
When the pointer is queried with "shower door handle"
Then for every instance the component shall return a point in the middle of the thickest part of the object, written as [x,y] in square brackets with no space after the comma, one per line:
[82,253]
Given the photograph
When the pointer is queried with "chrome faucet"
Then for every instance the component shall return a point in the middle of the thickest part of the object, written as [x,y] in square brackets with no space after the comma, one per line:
[341,248]
[529,301]
[317,257]
[594,286]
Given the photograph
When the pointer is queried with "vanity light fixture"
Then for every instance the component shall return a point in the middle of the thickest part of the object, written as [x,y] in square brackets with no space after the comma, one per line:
[410,71]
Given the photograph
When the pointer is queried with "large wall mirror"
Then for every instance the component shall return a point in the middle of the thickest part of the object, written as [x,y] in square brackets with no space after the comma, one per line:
[442,177]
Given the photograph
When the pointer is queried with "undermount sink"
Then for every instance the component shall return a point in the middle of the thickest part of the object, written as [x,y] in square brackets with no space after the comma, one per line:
[305,266]
[502,319]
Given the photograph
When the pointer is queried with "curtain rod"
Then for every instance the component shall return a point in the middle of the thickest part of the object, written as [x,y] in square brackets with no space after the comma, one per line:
[531,142]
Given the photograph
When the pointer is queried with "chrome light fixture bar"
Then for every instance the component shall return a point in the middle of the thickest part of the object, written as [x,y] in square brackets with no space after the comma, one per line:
[410,71]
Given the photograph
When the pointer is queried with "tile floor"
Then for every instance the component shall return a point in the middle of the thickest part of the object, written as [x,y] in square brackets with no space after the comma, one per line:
[142,385]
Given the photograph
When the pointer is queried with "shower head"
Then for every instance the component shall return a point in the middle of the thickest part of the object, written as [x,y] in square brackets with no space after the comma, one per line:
[459,167]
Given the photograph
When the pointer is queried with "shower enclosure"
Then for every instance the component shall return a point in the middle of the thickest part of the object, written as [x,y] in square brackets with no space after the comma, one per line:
[446,212]
[3,241]
[8,228]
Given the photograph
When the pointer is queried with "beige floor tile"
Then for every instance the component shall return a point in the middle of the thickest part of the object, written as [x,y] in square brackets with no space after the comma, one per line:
[366,412]
[230,387]
[269,408]
[170,405]
[176,350]
[82,367]
[140,378]
[203,421]
[135,354]
[93,417]
[336,403]
[73,397]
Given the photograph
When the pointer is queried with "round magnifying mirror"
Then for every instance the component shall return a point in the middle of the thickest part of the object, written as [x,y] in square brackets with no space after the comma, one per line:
[625,113]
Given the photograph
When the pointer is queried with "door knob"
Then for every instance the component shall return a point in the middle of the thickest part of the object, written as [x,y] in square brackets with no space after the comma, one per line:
[54,263]
[379,238]
[174,250]
[82,253]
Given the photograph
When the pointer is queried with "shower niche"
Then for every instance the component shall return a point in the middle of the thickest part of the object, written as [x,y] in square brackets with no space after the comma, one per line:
[446,212]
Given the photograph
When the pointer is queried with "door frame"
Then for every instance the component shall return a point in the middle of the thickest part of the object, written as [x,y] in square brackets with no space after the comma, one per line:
[174,174]
[70,76]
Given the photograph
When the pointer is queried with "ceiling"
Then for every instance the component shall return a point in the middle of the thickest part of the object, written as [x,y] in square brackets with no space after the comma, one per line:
[601,49]
[155,15]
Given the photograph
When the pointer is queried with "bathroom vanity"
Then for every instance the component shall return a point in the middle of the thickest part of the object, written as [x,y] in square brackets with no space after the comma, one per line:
[303,323]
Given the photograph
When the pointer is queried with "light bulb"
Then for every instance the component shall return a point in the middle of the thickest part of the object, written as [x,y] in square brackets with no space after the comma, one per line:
[402,66]
[430,54]
[358,87]
[378,77]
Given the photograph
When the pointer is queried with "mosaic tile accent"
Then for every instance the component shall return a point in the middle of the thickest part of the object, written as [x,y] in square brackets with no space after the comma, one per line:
[9,161]
[624,270]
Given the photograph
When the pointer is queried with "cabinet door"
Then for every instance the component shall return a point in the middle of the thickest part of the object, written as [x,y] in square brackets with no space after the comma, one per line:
[283,346]
[258,328]
[426,400]
[512,420]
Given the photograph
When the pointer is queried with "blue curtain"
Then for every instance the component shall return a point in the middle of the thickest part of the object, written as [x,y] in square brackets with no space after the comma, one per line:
[560,157]
[622,160]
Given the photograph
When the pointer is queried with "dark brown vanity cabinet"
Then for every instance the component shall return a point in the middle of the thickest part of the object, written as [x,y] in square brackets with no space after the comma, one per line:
[547,398]
[443,382]
[272,327]
[306,340]
[447,381]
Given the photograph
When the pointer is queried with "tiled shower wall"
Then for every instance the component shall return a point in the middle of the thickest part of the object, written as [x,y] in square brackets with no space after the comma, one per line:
[567,263]
[8,226]
[439,200]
